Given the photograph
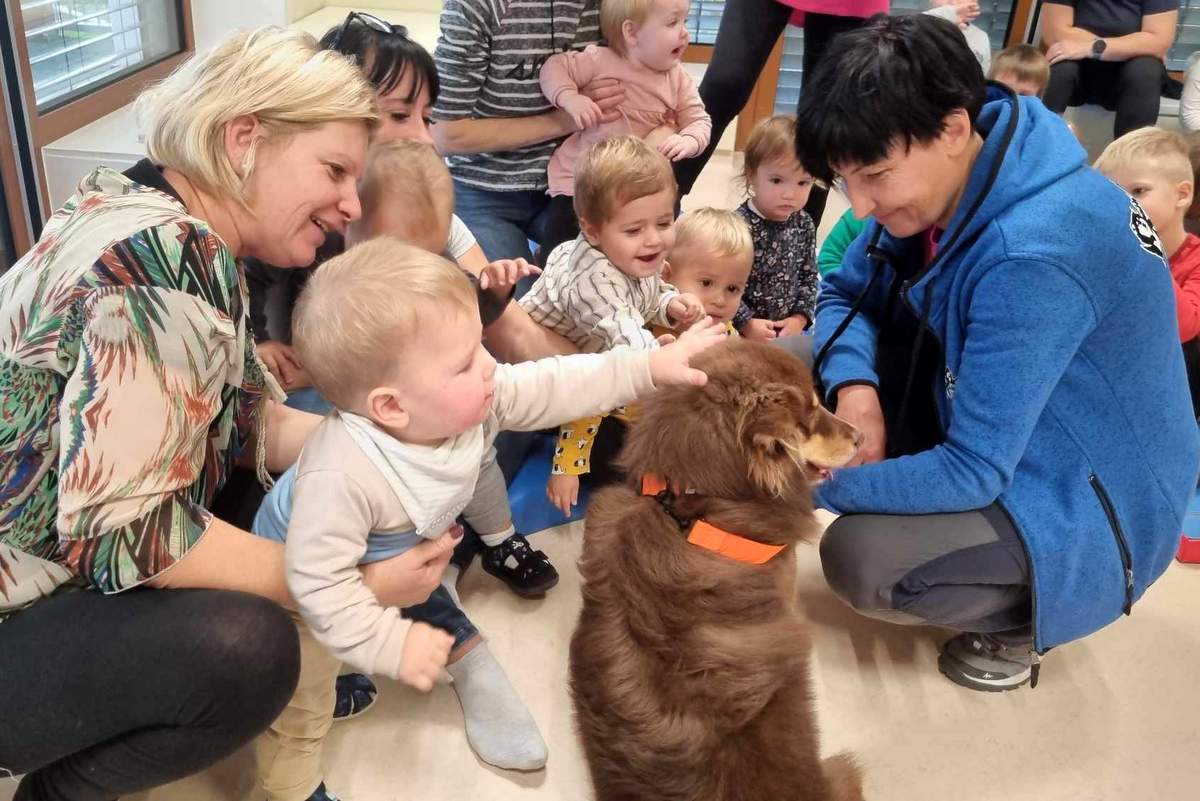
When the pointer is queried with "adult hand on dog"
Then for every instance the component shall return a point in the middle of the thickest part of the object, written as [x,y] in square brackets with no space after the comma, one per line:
[423,656]
[563,492]
[410,578]
[859,406]
[502,275]
[670,363]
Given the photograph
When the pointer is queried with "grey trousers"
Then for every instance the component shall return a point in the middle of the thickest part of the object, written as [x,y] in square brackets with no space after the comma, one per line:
[961,570]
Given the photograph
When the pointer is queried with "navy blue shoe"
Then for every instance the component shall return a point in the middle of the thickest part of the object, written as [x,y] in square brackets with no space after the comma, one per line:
[321,794]
[355,695]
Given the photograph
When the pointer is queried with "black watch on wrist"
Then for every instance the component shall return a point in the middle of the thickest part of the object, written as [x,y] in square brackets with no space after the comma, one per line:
[1098,47]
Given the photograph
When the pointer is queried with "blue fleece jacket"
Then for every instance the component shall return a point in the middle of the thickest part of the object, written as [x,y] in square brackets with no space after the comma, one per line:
[1063,396]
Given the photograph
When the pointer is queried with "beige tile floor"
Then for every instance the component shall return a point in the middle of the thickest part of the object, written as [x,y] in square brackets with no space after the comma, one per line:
[1115,718]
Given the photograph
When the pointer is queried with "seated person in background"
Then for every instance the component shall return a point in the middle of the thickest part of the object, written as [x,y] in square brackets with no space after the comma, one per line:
[1108,52]
[406,192]
[711,259]
[600,290]
[646,40]
[392,337]
[1022,68]
[1152,165]
[782,291]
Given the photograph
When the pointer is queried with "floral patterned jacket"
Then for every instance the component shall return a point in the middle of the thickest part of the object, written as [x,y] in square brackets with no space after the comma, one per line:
[128,385]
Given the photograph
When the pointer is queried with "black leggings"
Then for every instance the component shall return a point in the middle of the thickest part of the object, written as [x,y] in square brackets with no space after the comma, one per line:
[748,32]
[1131,88]
[105,695]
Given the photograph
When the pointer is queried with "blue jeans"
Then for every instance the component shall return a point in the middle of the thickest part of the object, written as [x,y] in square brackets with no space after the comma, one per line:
[441,612]
[504,222]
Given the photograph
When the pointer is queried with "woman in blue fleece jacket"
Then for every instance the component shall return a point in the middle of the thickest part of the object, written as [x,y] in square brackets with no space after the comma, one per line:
[998,334]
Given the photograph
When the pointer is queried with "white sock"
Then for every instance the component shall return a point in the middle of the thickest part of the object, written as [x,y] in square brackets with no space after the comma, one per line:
[499,727]
[492,540]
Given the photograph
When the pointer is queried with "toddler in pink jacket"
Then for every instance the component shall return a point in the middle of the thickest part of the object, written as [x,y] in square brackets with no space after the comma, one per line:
[646,40]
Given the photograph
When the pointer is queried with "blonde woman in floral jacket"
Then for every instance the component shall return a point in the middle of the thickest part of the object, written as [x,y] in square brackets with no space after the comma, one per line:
[142,638]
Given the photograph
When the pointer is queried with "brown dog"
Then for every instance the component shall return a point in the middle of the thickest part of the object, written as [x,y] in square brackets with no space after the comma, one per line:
[689,668]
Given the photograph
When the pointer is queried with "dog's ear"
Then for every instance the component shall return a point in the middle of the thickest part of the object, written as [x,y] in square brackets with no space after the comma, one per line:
[770,432]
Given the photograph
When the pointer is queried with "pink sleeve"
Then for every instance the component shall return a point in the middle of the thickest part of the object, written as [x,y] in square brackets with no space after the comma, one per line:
[564,74]
[690,115]
[1187,306]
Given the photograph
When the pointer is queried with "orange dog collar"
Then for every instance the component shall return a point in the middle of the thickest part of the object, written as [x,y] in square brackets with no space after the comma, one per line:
[707,536]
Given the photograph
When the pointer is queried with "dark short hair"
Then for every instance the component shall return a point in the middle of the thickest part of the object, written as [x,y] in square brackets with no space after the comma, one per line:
[385,58]
[892,81]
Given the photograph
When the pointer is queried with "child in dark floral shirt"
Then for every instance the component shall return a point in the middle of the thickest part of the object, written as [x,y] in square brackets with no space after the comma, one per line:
[782,291]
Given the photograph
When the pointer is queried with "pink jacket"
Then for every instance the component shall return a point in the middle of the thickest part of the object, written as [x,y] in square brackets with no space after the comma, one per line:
[837,8]
[652,99]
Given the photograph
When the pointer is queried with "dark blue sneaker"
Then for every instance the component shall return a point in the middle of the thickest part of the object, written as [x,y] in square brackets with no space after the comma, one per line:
[321,794]
[355,695]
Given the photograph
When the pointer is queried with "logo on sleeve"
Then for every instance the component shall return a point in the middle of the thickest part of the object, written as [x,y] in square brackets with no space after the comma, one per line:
[1143,229]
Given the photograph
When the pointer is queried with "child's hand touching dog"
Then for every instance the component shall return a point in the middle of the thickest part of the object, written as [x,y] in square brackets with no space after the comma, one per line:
[670,364]
[423,656]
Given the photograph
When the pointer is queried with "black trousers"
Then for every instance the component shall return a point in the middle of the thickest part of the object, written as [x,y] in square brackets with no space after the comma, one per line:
[748,32]
[105,695]
[1131,88]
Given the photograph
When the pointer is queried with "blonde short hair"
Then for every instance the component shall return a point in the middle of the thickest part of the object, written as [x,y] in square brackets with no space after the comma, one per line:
[616,171]
[278,75]
[1024,62]
[410,176]
[613,14]
[1165,152]
[771,139]
[361,310]
[720,233]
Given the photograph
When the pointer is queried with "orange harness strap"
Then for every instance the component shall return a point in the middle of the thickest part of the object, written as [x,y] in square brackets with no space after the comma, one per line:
[709,537]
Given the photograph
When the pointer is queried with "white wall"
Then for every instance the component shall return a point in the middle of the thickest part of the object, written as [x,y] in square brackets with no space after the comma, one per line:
[212,19]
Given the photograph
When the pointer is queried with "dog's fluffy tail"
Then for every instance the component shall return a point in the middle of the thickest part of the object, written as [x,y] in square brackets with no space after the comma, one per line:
[844,777]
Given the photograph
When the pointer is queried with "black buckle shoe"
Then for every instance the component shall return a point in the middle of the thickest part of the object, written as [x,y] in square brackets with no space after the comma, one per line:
[527,572]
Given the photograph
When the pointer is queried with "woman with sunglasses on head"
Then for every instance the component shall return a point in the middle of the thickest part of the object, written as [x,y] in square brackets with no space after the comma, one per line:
[406,84]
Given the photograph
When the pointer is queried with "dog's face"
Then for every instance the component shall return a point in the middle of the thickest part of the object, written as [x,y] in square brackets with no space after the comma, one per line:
[756,427]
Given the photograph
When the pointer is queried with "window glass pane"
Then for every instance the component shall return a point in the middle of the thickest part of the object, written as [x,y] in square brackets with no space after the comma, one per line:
[76,46]
[1187,36]
[704,17]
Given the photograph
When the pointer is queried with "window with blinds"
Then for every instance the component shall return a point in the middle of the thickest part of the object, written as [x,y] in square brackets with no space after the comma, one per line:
[1187,35]
[75,46]
[993,19]
[704,17]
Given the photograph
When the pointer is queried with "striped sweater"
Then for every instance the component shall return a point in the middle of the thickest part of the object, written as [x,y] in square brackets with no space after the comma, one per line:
[585,298]
[489,54]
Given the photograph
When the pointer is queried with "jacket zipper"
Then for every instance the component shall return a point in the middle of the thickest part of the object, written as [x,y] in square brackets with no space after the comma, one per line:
[1036,667]
[1119,536]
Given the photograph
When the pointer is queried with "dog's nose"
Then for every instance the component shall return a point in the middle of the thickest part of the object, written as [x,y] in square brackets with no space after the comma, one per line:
[858,438]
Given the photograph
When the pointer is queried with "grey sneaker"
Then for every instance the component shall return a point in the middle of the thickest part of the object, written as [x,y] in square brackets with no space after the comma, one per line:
[985,662]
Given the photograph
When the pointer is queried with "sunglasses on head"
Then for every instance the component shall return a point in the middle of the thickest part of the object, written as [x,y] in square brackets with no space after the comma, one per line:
[371,21]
